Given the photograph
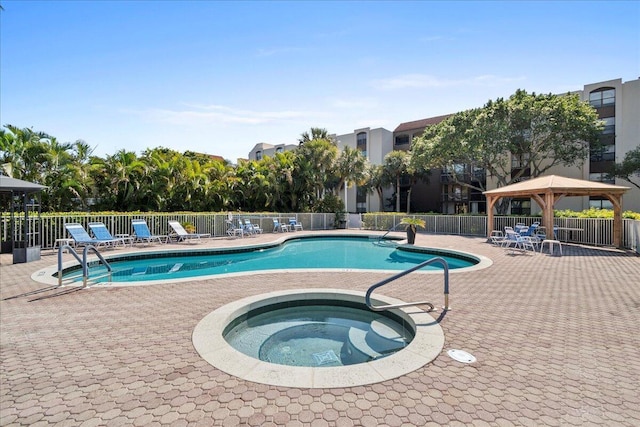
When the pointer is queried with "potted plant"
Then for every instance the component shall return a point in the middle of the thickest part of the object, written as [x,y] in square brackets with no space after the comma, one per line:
[340,220]
[189,227]
[412,225]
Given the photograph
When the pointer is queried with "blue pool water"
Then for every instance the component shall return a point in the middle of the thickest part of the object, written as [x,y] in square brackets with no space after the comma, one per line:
[302,253]
[317,335]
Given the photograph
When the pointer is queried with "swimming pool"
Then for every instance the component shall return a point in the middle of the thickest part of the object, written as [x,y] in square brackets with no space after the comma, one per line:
[350,253]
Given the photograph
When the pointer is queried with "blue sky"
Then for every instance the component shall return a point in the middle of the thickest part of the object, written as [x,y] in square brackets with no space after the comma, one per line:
[219,77]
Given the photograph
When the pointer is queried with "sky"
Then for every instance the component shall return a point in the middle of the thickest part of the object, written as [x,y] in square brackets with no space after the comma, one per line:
[218,77]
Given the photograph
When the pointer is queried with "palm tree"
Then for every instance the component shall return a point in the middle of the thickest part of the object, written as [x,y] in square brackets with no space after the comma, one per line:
[124,173]
[375,180]
[321,154]
[396,164]
[316,133]
[350,167]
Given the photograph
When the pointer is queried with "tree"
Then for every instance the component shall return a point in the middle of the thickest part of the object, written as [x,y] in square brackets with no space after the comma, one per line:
[396,164]
[532,132]
[375,181]
[316,133]
[350,166]
[319,154]
[22,152]
[629,168]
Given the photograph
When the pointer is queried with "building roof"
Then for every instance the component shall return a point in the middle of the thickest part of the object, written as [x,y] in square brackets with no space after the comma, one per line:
[8,184]
[420,124]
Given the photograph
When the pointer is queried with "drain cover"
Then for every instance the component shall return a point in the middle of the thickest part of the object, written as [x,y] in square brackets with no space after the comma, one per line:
[324,357]
[461,356]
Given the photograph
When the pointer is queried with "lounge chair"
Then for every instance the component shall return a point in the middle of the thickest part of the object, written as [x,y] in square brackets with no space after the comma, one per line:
[81,237]
[514,241]
[251,228]
[182,234]
[143,234]
[277,227]
[232,230]
[101,232]
[294,224]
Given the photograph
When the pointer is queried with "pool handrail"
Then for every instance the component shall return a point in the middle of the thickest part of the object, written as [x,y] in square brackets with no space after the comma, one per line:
[83,262]
[388,231]
[440,260]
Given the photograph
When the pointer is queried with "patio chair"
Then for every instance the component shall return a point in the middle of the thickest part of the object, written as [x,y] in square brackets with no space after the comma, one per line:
[497,237]
[294,224]
[101,232]
[182,235]
[143,234]
[81,237]
[277,227]
[513,241]
[232,230]
[251,228]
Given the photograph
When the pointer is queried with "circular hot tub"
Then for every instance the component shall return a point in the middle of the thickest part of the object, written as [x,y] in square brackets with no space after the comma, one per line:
[316,339]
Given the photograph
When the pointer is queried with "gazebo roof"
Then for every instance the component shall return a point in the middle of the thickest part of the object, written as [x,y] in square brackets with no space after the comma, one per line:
[547,190]
[8,184]
[557,185]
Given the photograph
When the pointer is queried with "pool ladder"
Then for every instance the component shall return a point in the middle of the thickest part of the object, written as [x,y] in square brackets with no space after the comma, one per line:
[381,238]
[445,307]
[83,262]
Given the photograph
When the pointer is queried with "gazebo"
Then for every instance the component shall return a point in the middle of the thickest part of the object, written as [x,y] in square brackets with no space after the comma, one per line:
[547,190]
[23,236]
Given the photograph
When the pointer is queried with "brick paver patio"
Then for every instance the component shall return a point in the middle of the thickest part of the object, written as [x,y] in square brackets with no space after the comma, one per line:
[557,342]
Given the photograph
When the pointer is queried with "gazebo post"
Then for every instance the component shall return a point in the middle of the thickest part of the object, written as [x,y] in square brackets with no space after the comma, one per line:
[547,213]
[616,201]
[491,202]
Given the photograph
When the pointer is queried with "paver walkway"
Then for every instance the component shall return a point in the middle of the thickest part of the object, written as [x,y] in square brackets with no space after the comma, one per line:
[557,342]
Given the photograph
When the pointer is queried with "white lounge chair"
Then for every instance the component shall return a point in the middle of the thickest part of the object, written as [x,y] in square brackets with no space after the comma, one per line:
[182,234]
[232,230]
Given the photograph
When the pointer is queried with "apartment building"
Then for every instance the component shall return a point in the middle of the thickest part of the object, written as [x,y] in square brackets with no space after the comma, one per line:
[617,103]
[374,144]
[263,149]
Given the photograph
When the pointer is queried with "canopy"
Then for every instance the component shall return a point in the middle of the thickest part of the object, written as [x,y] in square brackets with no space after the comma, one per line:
[547,190]
[8,185]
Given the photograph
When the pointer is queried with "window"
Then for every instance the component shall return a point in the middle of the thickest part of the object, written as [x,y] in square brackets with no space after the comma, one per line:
[258,155]
[403,140]
[279,150]
[602,97]
[609,125]
[521,207]
[598,203]
[361,200]
[604,153]
[361,142]
[601,177]
[519,161]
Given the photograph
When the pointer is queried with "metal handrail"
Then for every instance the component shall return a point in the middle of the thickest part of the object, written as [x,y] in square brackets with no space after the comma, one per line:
[388,231]
[404,273]
[83,262]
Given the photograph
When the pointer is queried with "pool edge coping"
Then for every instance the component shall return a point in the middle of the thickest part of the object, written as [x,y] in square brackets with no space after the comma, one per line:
[210,344]
[46,274]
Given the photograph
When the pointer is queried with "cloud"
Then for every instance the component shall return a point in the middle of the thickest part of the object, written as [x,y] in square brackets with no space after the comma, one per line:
[217,114]
[356,103]
[428,81]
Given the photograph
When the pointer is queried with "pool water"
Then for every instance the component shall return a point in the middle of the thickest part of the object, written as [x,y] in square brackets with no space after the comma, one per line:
[317,335]
[302,253]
